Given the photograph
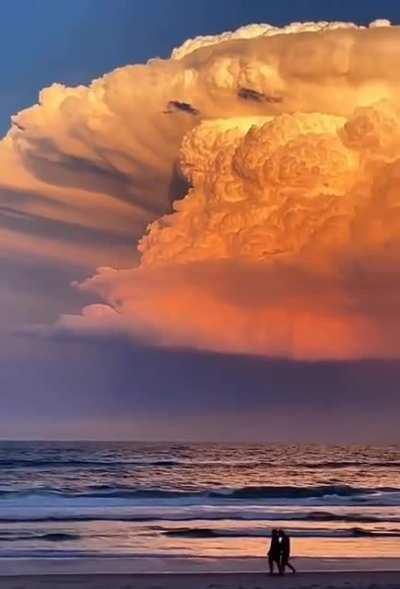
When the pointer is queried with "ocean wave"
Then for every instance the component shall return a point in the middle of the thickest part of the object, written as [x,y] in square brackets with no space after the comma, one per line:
[100,492]
[312,533]
[247,492]
[177,515]
[48,536]
[44,463]
[209,532]
[348,464]
[17,463]
[58,536]
[326,516]
[292,492]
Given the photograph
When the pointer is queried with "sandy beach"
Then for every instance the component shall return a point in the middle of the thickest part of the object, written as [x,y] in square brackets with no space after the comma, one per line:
[323,580]
[98,573]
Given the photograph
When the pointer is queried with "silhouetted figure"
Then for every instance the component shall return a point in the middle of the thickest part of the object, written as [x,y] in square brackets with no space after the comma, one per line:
[274,552]
[284,541]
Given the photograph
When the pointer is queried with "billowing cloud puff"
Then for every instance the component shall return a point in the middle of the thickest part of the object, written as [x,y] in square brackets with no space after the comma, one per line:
[266,30]
[287,244]
[288,147]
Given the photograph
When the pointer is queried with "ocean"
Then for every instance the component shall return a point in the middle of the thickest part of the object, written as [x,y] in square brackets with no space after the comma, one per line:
[63,499]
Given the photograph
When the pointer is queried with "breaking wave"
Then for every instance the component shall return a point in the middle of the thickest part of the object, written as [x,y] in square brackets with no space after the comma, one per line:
[247,492]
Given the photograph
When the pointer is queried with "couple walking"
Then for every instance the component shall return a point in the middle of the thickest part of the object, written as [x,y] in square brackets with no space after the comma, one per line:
[279,552]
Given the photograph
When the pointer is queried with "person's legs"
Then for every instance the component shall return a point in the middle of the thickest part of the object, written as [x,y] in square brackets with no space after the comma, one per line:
[289,564]
[281,566]
[271,565]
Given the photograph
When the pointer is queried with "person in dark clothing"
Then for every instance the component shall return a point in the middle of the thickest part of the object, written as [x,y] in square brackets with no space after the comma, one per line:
[274,552]
[284,541]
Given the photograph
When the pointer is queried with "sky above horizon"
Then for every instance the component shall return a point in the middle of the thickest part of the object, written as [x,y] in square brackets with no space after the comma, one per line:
[221,327]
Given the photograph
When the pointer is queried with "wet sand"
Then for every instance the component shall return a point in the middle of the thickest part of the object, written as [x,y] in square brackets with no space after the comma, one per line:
[181,573]
[323,580]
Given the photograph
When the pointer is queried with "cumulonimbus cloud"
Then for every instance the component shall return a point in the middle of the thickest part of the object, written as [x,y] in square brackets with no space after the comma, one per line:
[287,240]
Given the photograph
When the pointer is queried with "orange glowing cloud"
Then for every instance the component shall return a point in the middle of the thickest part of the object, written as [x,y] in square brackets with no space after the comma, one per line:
[286,245]
[287,241]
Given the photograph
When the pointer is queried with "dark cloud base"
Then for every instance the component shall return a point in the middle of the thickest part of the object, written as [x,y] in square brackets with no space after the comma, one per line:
[149,393]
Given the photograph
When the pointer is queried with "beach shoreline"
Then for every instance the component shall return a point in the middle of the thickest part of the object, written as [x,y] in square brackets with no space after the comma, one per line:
[181,566]
[234,580]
